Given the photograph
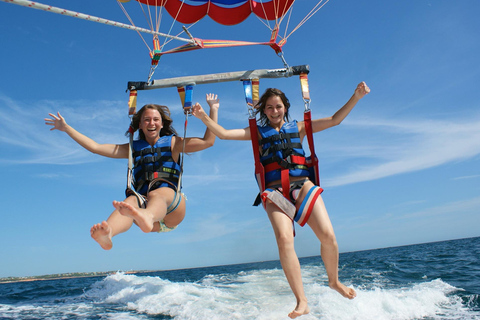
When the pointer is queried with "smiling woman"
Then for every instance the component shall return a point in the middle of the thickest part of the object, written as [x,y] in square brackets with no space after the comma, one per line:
[155,202]
[290,194]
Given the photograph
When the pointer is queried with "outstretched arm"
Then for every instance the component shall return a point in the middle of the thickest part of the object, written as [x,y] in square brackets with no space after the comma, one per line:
[321,124]
[218,130]
[107,150]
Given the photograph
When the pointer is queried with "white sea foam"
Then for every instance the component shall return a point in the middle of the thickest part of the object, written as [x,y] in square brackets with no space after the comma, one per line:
[256,295]
[264,294]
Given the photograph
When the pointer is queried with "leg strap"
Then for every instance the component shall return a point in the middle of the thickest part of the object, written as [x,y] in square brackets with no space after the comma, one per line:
[164,228]
[306,207]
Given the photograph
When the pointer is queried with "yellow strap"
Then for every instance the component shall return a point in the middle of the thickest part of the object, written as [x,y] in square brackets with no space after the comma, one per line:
[181,93]
[255,91]
[132,102]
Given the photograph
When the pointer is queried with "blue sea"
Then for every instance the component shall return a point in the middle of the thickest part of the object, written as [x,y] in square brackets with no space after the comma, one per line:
[426,281]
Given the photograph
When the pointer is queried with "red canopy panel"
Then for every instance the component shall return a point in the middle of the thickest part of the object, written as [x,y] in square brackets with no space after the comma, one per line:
[186,13]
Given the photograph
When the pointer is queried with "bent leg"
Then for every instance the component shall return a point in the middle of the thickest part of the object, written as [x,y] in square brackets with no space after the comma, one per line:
[321,225]
[282,227]
[156,210]
[116,223]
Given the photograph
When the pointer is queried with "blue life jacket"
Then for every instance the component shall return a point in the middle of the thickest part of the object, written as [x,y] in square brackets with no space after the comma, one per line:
[155,162]
[282,149]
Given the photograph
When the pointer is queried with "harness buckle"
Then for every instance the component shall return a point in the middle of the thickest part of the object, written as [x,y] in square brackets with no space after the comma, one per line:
[286,162]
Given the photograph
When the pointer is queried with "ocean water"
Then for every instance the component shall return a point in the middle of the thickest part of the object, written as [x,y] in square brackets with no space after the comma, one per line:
[427,281]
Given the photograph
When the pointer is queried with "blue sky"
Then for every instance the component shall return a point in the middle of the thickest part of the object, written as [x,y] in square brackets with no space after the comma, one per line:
[403,168]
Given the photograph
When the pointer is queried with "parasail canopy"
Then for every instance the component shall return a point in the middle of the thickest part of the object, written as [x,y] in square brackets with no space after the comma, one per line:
[271,13]
[226,12]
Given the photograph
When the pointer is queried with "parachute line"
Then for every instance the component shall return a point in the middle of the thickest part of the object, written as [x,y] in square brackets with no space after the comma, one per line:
[133,24]
[312,12]
[48,8]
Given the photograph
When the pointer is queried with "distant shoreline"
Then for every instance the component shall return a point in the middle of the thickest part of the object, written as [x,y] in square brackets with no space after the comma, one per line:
[64,276]
[73,275]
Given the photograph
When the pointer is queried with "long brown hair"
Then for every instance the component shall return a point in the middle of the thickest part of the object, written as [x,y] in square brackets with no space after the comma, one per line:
[167,128]
[270,92]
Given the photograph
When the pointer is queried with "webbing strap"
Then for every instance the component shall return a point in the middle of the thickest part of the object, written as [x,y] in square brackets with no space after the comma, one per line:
[247,89]
[132,109]
[285,176]
[255,91]
[186,94]
[259,169]
[295,161]
[132,102]
[307,119]
[156,53]
[250,88]
[304,85]
[130,184]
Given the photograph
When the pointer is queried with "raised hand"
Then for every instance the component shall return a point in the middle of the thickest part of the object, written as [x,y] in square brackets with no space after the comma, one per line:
[57,121]
[213,101]
[362,90]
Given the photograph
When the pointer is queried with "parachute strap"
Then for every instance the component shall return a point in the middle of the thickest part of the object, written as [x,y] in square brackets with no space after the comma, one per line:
[186,93]
[251,90]
[273,41]
[132,107]
[305,90]
[252,95]
[259,169]
[156,53]
[132,102]
[277,46]
[141,200]
[312,161]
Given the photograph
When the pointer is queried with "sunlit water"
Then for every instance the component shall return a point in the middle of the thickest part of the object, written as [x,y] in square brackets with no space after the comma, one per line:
[428,281]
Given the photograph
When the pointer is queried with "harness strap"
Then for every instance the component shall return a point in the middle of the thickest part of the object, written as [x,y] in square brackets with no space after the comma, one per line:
[251,90]
[285,175]
[132,102]
[177,198]
[280,136]
[130,184]
[293,161]
[307,116]
[158,150]
[259,169]
[186,94]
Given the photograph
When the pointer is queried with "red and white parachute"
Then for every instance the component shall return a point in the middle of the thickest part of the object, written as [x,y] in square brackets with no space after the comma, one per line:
[276,15]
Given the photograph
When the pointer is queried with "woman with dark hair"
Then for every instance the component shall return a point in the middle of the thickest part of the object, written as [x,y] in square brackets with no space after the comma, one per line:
[156,170]
[279,143]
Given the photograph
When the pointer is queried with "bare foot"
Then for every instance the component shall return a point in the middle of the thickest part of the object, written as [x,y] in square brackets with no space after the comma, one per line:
[145,224]
[100,232]
[300,310]
[343,290]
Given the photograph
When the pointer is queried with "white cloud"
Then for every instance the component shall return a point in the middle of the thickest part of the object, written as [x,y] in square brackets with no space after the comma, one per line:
[24,128]
[396,147]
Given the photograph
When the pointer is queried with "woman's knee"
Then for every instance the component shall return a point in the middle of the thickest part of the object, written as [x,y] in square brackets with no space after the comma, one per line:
[285,240]
[329,239]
